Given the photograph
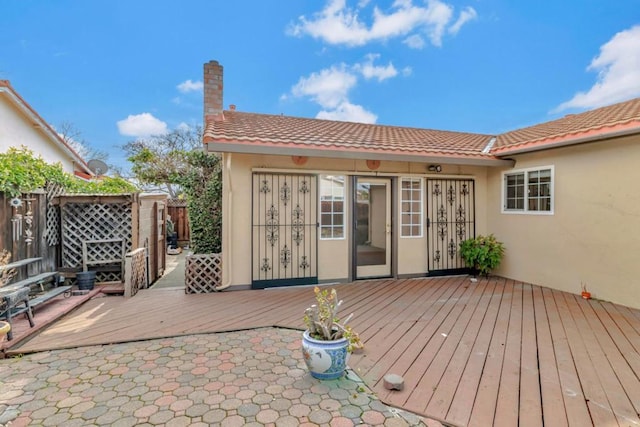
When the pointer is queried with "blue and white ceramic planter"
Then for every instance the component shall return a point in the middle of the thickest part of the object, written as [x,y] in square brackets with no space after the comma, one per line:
[326,360]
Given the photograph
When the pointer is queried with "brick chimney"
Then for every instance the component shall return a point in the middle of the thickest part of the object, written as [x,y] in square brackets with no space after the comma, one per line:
[212,91]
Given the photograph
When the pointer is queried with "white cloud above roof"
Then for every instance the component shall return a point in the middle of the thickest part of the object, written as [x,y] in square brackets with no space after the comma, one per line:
[618,68]
[190,86]
[139,125]
[340,24]
[348,112]
[370,71]
[330,88]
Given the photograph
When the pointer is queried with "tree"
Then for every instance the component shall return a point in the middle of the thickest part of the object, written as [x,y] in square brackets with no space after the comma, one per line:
[158,161]
[72,136]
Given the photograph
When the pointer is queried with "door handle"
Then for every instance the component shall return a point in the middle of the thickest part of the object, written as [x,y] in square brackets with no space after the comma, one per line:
[388,228]
[428,223]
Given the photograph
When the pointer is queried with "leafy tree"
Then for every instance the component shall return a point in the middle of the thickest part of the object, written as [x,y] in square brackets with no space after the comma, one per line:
[156,161]
[22,172]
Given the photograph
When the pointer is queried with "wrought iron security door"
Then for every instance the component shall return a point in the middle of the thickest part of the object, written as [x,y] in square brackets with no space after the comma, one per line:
[284,230]
[450,220]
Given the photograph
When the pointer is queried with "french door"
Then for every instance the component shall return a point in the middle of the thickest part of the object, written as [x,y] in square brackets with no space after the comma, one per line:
[284,230]
[372,227]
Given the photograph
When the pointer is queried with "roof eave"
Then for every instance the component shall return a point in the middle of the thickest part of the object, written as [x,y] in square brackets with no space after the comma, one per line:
[567,142]
[39,123]
[288,150]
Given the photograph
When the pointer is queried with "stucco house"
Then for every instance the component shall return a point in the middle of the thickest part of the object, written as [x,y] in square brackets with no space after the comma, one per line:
[312,201]
[21,125]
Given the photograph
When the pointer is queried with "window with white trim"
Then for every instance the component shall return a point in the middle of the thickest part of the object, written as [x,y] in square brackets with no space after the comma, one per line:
[528,191]
[411,207]
[331,207]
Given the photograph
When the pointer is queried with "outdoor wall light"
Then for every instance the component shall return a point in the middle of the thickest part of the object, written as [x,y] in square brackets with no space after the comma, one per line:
[435,168]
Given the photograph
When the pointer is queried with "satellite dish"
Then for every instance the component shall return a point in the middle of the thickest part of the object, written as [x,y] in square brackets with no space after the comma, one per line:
[98,167]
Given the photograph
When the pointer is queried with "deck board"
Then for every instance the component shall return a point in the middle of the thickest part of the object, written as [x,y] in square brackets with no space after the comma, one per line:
[493,352]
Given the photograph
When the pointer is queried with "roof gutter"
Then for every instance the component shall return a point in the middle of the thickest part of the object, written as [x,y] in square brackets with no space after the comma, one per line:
[568,142]
[231,147]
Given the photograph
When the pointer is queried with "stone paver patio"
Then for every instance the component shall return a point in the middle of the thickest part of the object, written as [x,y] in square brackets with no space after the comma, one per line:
[254,377]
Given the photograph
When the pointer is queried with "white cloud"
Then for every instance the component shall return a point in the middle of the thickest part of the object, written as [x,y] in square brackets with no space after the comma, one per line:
[183,126]
[347,112]
[407,71]
[190,86]
[328,88]
[338,23]
[618,67]
[468,14]
[369,71]
[141,125]
[414,41]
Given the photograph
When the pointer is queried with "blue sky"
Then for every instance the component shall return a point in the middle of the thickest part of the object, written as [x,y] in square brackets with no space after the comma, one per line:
[121,70]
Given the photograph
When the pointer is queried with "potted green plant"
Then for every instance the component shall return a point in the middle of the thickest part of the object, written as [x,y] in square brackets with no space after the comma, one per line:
[327,342]
[482,254]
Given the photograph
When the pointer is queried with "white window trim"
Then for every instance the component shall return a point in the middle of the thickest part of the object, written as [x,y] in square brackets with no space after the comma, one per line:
[526,171]
[422,190]
[344,208]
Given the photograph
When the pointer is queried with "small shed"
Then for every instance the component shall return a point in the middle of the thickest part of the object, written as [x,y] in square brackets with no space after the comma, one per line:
[97,231]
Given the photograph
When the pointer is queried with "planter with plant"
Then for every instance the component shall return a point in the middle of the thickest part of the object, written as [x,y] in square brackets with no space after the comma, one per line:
[327,342]
[482,254]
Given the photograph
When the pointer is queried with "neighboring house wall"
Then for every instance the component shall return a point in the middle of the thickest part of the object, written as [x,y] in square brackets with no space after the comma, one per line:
[16,130]
[334,256]
[592,237]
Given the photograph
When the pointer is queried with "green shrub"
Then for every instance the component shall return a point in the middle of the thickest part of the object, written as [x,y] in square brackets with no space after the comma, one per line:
[483,253]
[202,185]
[22,172]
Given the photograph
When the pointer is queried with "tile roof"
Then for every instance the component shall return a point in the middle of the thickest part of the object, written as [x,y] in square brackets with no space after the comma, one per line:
[273,130]
[600,122]
[246,132]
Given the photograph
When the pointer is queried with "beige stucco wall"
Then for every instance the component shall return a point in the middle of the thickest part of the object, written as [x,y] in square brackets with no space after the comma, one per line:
[16,130]
[593,236]
[334,256]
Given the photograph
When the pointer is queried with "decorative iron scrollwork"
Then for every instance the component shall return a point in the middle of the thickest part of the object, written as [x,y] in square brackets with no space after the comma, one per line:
[266,266]
[297,225]
[285,193]
[304,264]
[437,257]
[272,225]
[453,250]
[465,190]
[451,195]
[436,190]
[285,257]
[304,187]
[461,220]
[264,188]
[442,222]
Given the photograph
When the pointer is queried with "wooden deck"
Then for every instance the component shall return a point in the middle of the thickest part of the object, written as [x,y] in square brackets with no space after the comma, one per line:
[495,352]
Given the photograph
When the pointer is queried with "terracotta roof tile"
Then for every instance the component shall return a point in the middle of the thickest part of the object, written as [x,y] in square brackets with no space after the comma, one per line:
[264,130]
[595,122]
[252,129]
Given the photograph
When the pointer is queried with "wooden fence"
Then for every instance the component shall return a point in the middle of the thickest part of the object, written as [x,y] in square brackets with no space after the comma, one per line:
[177,210]
[24,232]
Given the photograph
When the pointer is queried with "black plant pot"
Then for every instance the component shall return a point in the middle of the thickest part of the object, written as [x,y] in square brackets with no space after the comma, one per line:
[86,280]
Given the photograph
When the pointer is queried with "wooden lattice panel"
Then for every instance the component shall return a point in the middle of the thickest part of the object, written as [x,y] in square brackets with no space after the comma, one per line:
[176,202]
[53,214]
[93,221]
[135,272]
[203,273]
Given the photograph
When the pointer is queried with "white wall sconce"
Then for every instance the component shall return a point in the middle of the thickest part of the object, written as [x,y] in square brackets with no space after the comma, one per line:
[435,168]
